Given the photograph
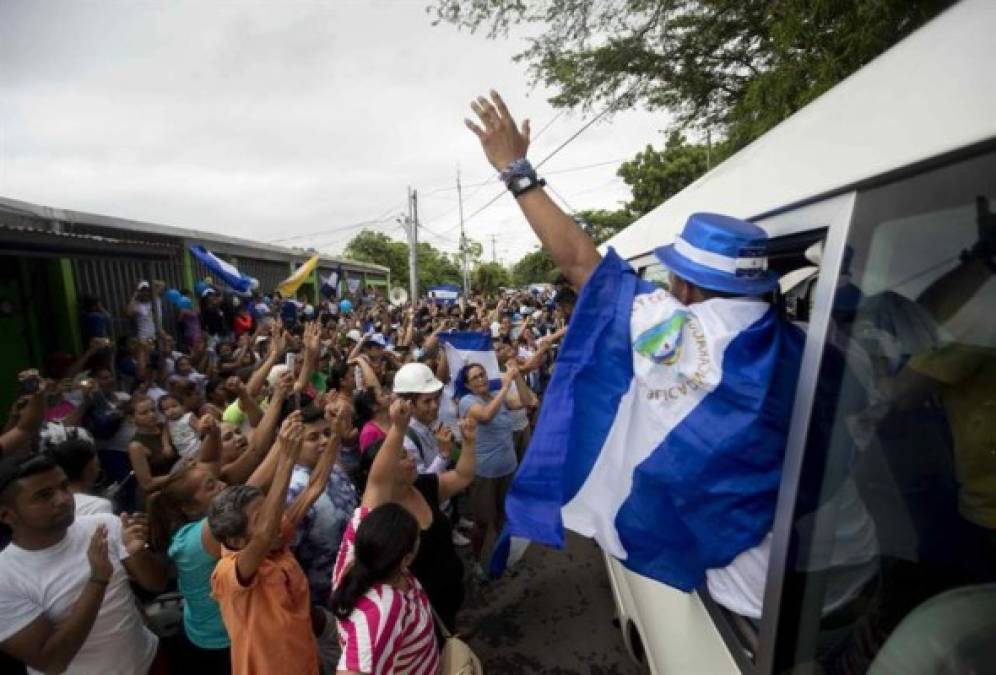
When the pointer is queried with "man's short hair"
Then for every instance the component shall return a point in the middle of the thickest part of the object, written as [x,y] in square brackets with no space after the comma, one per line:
[73,455]
[13,469]
[227,515]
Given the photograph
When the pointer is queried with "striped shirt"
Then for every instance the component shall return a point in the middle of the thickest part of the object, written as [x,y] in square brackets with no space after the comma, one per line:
[389,630]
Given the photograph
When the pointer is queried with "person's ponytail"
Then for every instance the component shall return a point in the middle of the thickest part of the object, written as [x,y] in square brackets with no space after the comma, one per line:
[355,583]
[383,539]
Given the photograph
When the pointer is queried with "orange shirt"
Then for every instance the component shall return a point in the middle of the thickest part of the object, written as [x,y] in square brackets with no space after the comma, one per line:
[268,621]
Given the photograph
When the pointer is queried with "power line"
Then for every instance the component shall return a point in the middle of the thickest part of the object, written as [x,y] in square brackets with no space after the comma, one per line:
[373,221]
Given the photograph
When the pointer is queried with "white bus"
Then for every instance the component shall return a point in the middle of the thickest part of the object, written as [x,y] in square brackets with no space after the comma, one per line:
[876,196]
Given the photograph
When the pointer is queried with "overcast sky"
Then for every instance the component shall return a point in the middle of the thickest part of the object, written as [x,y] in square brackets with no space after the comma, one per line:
[272,119]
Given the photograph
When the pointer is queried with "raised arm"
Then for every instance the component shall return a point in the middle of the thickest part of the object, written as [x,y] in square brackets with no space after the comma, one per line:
[486,412]
[247,403]
[461,476]
[18,438]
[385,468]
[277,345]
[311,342]
[570,248]
[262,476]
[267,524]
[316,485]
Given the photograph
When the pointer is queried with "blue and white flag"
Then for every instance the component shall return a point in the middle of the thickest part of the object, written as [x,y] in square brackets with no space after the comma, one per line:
[353,285]
[330,284]
[662,431]
[225,271]
[464,348]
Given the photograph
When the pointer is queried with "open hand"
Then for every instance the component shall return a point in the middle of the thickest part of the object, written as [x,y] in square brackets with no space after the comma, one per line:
[100,562]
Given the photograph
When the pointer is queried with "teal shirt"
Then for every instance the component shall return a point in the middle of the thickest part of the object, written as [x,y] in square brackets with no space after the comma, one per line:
[194,566]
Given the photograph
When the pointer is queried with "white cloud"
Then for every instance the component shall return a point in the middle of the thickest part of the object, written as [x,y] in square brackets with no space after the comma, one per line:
[271,119]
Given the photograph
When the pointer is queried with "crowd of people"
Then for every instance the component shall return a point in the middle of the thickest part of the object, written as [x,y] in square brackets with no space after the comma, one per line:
[299,475]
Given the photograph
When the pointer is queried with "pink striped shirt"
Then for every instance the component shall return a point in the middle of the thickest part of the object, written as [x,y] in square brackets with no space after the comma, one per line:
[389,630]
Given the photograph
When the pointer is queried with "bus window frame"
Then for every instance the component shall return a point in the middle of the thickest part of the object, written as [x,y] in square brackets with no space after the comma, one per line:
[832,215]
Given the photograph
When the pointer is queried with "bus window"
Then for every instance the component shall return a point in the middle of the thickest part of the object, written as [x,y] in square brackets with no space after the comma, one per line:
[656,274]
[891,564]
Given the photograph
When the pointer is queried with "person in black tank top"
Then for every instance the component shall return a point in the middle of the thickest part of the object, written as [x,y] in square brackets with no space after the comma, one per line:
[388,474]
[437,565]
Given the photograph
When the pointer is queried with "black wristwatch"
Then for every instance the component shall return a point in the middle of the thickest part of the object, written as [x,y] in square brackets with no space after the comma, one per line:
[520,177]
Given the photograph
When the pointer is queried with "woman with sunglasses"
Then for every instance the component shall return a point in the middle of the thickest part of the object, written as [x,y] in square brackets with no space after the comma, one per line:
[496,458]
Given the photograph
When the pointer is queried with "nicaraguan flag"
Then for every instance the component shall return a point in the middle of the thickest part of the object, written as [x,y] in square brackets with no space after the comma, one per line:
[330,284]
[662,431]
[226,271]
[464,348]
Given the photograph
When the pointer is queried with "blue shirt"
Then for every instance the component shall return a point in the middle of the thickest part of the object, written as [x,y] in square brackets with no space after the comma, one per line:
[495,447]
[316,542]
[201,615]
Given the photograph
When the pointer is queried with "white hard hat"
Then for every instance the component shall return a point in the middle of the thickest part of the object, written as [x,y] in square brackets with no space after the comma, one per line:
[416,378]
[274,375]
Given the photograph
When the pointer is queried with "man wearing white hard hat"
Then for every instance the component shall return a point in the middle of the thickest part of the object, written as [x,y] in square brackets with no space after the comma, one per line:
[427,440]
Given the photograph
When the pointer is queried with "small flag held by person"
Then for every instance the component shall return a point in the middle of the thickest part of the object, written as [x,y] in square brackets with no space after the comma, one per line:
[663,429]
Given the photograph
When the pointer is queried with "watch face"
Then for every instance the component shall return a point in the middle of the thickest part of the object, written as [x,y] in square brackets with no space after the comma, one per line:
[522,182]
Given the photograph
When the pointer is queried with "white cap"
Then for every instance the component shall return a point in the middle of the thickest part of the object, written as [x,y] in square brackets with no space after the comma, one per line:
[416,378]
[354,335]
[377,339]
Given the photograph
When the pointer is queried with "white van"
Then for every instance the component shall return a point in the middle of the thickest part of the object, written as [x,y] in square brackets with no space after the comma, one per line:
[876,196]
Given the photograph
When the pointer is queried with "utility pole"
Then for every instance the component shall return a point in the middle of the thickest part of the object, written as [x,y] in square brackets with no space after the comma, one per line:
[494,254]
[463,240]
[411,229]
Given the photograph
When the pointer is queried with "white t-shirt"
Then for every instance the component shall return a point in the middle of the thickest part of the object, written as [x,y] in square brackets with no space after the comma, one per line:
[48,582]
[849,549]
[88,505]
[183,436]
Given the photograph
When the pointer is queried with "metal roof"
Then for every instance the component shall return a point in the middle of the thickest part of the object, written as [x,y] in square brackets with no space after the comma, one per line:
[929,94]
[50,214]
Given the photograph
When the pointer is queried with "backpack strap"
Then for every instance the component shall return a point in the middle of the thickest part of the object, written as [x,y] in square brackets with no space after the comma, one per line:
[413,437]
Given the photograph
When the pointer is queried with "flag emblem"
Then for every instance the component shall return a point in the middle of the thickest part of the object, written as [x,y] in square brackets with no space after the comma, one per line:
[662,343]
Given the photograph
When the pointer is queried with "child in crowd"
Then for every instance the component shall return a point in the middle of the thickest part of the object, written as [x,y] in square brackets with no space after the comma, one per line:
[259,585]
[183,434]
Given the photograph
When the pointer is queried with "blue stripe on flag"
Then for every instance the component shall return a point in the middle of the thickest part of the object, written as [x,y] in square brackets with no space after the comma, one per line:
[468,341]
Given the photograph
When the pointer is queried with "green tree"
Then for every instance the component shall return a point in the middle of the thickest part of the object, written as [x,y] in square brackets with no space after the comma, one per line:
[602,224]
[737,67]
[657,175]
[489,277]
[378,248]
[533,268]
[434,266]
